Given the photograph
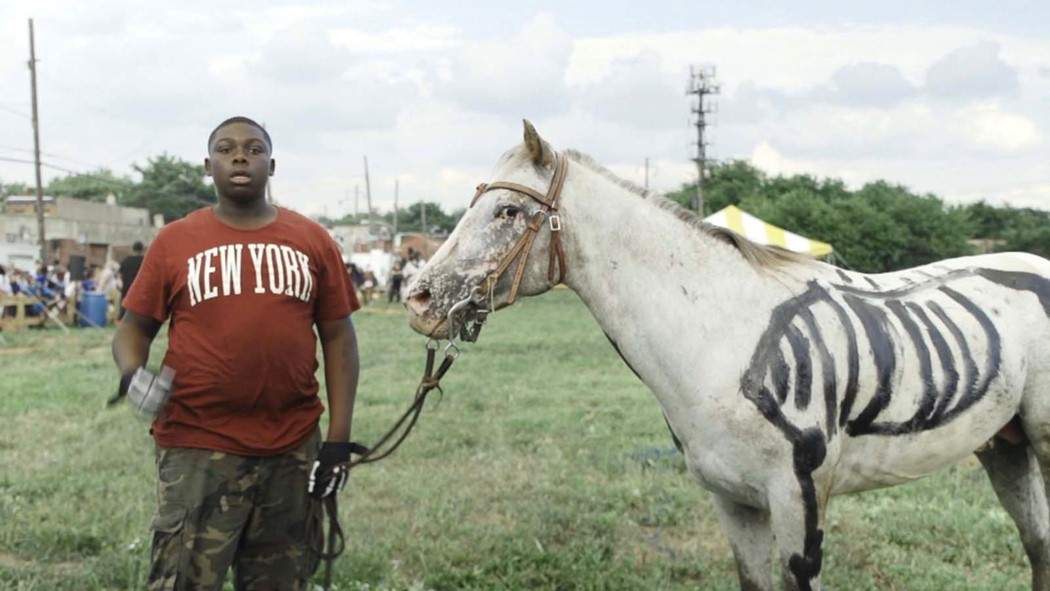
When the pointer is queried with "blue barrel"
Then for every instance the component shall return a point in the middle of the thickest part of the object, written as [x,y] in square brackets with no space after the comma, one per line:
[93,309]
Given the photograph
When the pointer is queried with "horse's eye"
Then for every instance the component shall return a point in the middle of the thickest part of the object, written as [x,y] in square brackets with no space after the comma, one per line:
[508,211]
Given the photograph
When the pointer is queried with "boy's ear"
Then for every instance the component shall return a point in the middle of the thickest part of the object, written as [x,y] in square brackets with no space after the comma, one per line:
[207,166]
[273,166]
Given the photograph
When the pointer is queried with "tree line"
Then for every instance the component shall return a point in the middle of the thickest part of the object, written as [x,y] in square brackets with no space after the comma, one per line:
[877,228]
[174,187]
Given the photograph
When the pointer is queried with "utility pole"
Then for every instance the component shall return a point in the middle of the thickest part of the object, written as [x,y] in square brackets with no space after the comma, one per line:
[701,83]
[368,201]
[395,207]
[423,216]
[36,151]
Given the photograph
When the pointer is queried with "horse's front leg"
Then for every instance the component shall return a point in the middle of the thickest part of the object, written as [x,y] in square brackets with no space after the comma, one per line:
[751,538]
[797,508]
[798,526]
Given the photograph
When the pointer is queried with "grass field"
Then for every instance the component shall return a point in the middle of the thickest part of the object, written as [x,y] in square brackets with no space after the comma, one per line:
[545,465]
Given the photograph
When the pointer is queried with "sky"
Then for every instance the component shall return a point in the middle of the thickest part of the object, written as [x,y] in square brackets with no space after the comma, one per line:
[949,98]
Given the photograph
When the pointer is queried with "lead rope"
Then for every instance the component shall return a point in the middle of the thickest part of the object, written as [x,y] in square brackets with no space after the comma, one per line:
[330,548]
[431,380]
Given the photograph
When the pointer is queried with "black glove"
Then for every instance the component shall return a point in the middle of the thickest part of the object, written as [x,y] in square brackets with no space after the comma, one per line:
[122,388]
[331,469]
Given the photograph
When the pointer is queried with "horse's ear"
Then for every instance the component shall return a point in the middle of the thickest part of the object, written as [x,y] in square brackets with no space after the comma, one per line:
[540,152]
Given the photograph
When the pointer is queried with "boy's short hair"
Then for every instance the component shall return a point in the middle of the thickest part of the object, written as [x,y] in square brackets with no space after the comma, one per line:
[137,246]
[240,119]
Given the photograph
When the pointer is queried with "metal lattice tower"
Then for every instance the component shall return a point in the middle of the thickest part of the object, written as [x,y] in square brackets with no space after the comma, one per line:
[701,84]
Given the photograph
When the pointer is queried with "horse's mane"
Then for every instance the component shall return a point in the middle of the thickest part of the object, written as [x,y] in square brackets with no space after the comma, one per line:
[758,255]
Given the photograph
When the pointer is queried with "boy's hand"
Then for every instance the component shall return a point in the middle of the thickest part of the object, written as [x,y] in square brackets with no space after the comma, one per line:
[331,469]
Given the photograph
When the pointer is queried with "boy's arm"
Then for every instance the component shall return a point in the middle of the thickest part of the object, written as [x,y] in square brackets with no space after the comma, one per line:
[132,341]
[341,369]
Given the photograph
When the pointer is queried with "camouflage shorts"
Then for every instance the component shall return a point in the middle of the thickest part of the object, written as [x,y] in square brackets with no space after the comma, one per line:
[218,510]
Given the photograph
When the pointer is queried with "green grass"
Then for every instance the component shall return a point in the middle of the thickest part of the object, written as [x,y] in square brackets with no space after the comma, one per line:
[545,465]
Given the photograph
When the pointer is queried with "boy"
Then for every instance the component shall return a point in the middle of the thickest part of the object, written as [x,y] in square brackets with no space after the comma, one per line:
[129,268]
[244,283]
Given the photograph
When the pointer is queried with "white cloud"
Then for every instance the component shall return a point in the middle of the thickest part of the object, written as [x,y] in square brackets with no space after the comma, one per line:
[523,75]
[987,126]
[426,37]
[300,55]
[974,71]
[637,93]
[433,96]
[867,84]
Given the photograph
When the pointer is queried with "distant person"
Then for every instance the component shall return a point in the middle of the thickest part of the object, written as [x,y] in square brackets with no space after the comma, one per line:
[357,279]
[129,269]
[356,276]
[412,268]
[107,281]
[369,287]
[240,457]
[6,288]
[396,276]
[90,280]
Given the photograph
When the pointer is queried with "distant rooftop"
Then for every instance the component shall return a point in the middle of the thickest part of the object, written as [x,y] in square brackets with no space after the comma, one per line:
[25,198]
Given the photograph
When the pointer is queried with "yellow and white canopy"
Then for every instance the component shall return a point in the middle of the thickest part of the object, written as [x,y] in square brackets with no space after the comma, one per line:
[756,230]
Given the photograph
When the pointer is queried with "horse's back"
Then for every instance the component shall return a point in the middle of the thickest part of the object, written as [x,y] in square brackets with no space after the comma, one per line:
[1022,262]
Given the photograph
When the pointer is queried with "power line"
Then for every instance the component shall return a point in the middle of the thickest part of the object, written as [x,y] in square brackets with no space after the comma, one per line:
[19,113]
[51,155]
[44,164]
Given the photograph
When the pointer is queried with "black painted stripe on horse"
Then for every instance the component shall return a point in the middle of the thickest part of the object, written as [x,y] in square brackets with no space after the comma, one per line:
[968,361]
[827,364]
[947,359]
[993,361]
[922,351]
[803,366]
[874,322]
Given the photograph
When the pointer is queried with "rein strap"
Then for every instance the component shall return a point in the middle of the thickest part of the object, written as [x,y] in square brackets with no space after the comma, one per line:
[327,508]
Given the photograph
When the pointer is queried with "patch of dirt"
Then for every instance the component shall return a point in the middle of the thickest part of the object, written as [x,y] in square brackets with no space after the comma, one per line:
[14,562]
[16,350]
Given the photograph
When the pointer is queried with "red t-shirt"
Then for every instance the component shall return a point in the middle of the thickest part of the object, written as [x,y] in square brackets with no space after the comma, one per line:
[243,304]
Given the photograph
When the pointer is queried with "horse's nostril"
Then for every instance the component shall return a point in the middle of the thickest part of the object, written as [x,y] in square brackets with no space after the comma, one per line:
[421,296]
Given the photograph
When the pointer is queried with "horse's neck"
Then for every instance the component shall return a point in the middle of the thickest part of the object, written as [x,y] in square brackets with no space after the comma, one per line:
[664,291]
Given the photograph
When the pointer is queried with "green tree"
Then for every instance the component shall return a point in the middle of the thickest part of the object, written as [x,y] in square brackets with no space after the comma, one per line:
[1033,240]
[727,183]
[92,186]
[172,187]
[988,221]
[1011,229]
[931,231]
[15,189]
[881,227]
[410,219]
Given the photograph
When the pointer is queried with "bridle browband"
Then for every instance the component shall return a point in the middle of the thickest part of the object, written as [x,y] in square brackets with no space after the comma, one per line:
[549,210]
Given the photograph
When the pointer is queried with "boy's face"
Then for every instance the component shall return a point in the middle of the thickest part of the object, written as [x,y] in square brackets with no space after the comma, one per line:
[239,162]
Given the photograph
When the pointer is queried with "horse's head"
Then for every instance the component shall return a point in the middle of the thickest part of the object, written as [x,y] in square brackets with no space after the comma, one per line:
[507,244]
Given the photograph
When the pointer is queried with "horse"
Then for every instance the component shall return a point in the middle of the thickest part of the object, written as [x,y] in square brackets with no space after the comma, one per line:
[784,380]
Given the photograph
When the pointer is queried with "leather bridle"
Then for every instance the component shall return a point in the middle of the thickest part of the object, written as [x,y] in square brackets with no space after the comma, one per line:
[549,210]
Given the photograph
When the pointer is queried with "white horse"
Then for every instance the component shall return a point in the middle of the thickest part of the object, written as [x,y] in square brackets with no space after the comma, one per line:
[785,380]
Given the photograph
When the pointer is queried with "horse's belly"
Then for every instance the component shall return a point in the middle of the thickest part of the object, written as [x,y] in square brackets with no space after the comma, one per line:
[875,461]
